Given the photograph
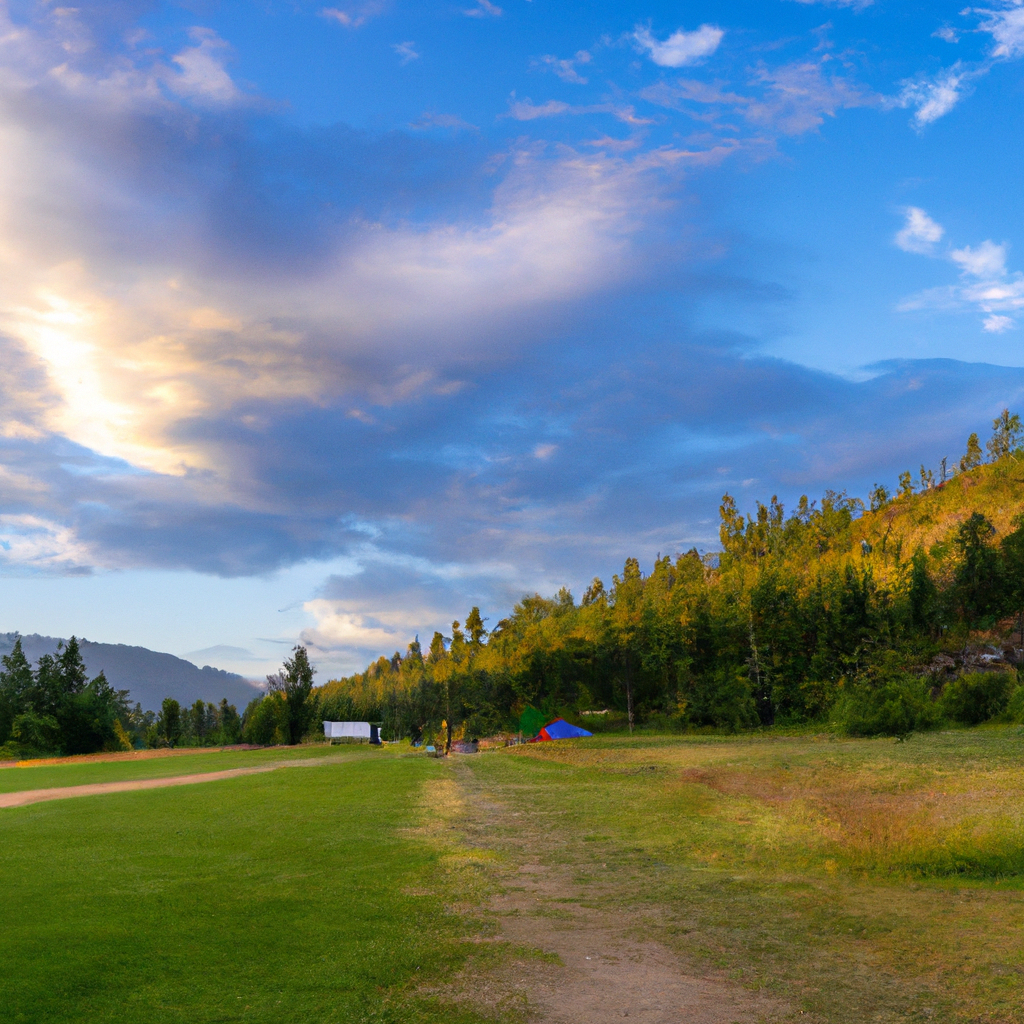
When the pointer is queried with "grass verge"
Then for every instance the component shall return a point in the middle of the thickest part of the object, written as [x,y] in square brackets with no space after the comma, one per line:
[303,895]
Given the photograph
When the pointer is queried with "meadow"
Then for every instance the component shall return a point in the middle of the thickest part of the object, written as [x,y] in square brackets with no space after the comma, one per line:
[846,880]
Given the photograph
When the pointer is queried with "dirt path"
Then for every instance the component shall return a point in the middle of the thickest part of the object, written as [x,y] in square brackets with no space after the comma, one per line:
[125,755]
[606,970]
[35,796]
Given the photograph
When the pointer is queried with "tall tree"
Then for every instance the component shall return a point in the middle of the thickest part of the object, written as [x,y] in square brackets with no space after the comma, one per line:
[169,723]
[1006,435]
[16,685]
[977,576]
[972,457]
[295,683]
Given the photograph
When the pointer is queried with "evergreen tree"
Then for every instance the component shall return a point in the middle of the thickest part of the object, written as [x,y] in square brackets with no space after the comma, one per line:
[16,685]
[972,457]
[295,684]
[977,576]
[168,725]
[1006,435]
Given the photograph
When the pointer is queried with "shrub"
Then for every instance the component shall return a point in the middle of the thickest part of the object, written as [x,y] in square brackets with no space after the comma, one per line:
[976,697]
[1015,706]
[266,721]
[896,706]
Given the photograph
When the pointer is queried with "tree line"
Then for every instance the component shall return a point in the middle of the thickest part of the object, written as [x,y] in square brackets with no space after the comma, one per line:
[792,622]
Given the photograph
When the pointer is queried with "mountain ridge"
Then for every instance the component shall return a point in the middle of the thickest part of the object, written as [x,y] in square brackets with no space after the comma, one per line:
[149,676]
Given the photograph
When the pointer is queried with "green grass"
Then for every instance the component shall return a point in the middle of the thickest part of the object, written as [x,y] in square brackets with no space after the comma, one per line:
[861,880]
[17,779]
[301,895]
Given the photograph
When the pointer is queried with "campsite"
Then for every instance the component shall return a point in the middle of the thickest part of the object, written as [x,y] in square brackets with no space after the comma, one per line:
[769,878]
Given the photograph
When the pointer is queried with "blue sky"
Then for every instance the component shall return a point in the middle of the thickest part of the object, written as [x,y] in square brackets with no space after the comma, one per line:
[328,321]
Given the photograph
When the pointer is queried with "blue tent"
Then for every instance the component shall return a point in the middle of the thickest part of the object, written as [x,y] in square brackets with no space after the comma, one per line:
[560,729]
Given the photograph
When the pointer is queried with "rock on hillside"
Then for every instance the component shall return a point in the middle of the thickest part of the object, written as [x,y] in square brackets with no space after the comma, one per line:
[148,675]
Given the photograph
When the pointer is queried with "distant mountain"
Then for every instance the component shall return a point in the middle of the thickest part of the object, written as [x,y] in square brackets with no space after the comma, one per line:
[148,675]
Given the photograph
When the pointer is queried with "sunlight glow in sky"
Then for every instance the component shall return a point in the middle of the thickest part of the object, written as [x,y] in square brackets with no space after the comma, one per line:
[330,320]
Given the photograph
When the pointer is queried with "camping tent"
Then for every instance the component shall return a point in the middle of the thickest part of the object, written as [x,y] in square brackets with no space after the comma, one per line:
[560,729]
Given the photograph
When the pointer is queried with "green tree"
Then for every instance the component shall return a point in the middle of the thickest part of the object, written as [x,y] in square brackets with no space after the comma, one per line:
[475,627]
[977,575]
[879,498]
[229,725]
[972,457]
[16,684]
[295,683]
[1006,435]
[168,725]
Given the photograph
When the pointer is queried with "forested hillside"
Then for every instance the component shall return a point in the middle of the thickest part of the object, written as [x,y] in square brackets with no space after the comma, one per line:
[881,616]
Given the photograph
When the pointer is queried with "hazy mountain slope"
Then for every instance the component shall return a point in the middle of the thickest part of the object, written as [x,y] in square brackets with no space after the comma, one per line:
[148,675]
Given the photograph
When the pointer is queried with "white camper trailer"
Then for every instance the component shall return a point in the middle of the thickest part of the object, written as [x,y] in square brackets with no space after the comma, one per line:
[352,731]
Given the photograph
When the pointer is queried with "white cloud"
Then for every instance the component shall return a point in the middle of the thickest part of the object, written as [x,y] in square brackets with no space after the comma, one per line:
[998,324]
[1006,27]
[202,75]
[29,542]
[566,69]
[793,98]
[430,119]
[920,233]
[947,33]
[986,284]
[355,15]
[799,96]
[987,261]
[681,48]
[935,97]
[407,51]
[484,9]
[527,110]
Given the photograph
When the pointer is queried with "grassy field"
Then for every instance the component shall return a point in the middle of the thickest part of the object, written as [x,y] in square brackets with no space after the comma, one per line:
[856,881]
[298,895]
[860,880]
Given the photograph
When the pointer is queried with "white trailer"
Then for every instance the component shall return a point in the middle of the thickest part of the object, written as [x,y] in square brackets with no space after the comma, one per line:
[352,731]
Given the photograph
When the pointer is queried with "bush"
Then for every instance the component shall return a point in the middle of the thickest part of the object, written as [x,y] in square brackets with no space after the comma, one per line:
[266,721]
[976,697]
[896,706]
[1015,706]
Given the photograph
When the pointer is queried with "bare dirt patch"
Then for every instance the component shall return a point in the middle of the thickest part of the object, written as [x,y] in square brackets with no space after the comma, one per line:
[605,973]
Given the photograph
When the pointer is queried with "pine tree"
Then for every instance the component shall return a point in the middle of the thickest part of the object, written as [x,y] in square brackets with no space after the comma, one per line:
[972,457]
[1006,435]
